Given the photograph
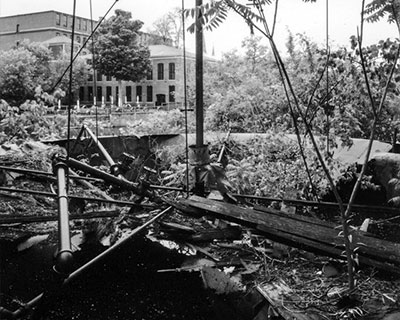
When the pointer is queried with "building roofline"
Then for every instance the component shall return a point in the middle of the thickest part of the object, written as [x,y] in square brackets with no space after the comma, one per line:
[46,11]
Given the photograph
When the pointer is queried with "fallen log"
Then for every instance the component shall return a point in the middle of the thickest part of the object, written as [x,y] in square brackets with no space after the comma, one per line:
[303,232]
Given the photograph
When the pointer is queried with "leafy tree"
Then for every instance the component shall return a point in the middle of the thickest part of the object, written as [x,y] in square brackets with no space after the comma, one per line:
[169,26]
[28,66]
[118,52]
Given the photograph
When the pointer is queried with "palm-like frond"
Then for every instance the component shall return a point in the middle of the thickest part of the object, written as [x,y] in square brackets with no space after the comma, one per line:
[377,9]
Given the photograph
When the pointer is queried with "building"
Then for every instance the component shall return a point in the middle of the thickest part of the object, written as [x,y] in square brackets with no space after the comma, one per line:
[164,87]
[42,26]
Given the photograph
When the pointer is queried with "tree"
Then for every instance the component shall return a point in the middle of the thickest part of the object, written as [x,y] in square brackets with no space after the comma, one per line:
[28,66]
[169,26]
[118,52]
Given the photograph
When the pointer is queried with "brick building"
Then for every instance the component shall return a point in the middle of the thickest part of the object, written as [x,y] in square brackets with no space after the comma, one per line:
[54,29]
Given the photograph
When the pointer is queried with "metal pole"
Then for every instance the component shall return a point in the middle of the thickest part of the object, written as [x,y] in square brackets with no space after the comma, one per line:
[64,255]
[79,271]
[199,77]
[119,243]
[113,167]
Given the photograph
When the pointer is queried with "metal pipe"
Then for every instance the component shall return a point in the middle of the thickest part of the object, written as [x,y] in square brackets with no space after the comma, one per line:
[52,195]
[107,177]
[119,243]
[44,173]
[79,271]
[64,255]
[110,160]
[199,77]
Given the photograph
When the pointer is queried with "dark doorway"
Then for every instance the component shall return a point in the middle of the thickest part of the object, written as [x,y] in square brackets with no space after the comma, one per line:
[160,99]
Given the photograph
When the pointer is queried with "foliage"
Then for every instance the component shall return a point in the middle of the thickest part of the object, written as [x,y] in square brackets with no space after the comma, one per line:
[169,26]
[29,66]
[159,122]
[266,165]
[117,50]
[377,9]
[28,121]
[79,72]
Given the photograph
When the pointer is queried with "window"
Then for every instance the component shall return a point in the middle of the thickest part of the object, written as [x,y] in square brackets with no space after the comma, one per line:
[160,71]
[90,77]
[171,93]
[129,93]
[90,93]
[84,39]
[57,34]
[58,19]
[139,93]
[149,94]
[65,35]
[99,76]
[84,25]
[108,78]
[65,21]
[117,95]
[70,21]
[150,75]
[79,23]
[99,93]
[17,29]
[78,39]
[108,93]
[172,71]
[81,93]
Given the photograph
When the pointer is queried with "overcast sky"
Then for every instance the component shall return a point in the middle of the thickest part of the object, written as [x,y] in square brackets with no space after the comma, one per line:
[295,15]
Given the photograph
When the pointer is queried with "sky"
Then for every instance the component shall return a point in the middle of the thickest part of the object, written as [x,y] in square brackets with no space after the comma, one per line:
[293,15]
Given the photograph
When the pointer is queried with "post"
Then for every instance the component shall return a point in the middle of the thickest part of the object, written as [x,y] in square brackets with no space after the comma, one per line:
[199,79]
[64,255]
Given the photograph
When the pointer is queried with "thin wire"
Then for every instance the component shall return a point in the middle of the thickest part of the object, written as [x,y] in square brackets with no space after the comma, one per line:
[94,71]
[83,46]
[185,99]
[327,79]
[70,81]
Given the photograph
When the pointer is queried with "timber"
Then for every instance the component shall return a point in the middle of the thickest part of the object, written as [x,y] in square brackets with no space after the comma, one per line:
[304,232]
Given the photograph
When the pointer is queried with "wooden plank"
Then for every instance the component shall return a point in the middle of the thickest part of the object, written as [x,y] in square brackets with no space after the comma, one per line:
[314,235]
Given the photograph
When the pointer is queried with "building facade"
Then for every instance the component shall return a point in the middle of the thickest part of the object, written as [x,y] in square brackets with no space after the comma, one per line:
[42,26]
[165,86]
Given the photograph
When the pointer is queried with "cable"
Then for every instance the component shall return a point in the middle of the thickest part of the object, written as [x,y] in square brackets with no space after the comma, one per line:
[185,98]
[94,71]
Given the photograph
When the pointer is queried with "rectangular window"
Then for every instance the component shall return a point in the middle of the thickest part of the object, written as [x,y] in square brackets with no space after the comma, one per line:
[172,71]
[81,93]
[90,77]
[108,93]
[58,19]
[171,93]
[84,25]
[108,78]
[17,29]
[65,20]
[128,93]
[149,94]
[70,21]
[90,93]
[150,75]
[99,76]
[139,93]
[57,34]
[99,93]
[78,39]
[160,71]
[79,23]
